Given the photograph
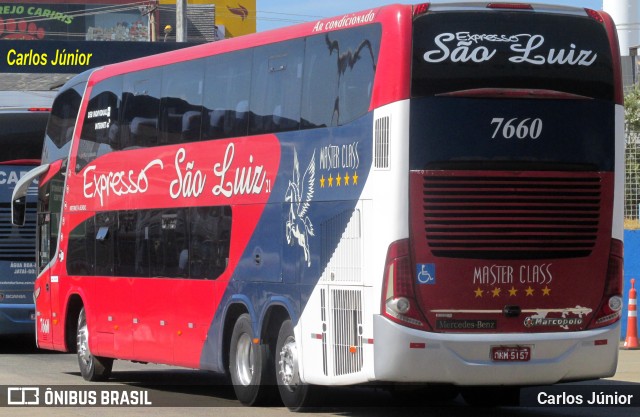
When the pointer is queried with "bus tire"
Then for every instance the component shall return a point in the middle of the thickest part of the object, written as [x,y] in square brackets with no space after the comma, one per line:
[92,368]
[248,364]
[295,394]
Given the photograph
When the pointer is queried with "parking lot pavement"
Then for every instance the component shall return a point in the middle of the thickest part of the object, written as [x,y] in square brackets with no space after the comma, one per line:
[628,367]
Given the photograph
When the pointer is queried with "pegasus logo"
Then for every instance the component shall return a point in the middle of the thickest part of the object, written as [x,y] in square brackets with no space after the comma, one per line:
[299,193]
[239,11]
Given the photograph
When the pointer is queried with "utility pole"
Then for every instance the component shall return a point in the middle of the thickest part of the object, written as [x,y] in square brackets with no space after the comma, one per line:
[150,10]
[181,20]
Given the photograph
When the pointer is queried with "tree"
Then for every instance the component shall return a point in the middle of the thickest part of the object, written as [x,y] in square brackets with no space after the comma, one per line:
[632,156]
[632,109]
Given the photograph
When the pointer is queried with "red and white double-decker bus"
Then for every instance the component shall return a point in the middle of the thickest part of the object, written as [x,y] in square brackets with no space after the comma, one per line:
[411,194]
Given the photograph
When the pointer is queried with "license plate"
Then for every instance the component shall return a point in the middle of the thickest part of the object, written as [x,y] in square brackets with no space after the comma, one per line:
[511,353]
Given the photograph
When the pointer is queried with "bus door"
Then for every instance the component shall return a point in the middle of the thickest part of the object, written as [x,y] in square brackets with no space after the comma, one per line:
[46,288]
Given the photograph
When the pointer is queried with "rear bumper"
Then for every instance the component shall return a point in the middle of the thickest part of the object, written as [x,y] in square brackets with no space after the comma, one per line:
[407,355]
[17,318]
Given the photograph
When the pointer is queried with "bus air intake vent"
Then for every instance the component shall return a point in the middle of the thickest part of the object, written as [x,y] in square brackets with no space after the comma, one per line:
[507,216]
[17,244]
[381,133]
[347,329]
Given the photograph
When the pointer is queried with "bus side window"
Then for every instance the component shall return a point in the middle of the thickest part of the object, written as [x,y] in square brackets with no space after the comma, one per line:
[63,116]
[101,127]
[181,102]
[358,57]
[276,87]
[81,249]
[210,240]
[60,126]
[105,241]
[141,108]
[345,62]
[320,82]
[226,95]
[125,257]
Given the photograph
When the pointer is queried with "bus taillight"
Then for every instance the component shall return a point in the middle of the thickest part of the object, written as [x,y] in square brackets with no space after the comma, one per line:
[419,9]
[398,296]
[594,15]
[611,304]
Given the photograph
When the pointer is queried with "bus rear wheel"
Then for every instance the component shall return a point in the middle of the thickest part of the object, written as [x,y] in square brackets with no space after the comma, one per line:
[92,368]
[295,394]
[249,364]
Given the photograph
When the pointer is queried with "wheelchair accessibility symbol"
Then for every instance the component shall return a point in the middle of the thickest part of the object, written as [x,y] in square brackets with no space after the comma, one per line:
[426,273]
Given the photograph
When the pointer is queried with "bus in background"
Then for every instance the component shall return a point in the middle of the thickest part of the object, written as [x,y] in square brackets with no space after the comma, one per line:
[408,195]
[21,134]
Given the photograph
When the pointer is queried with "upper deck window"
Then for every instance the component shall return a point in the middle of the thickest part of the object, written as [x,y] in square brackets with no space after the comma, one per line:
[319,81]
[345,62]
[276,87]
[62,120]
[181,102]
[456,51]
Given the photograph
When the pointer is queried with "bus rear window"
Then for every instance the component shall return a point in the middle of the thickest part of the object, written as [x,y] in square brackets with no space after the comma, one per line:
[457,51]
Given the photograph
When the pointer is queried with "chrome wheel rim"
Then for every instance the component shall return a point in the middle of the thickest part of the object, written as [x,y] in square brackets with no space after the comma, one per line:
[83,345]
[245,361]
[288,364]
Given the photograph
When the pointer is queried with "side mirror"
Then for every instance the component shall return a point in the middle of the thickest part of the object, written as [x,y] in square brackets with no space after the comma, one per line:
[18,210]
[19,196]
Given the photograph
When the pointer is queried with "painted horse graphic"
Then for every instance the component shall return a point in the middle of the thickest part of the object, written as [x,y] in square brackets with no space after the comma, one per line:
[299,194]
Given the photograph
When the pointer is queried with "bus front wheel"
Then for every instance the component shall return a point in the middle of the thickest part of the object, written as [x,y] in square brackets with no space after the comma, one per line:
[92,368]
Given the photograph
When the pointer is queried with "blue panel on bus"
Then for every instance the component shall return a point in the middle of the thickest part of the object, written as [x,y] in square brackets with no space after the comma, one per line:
[320,180]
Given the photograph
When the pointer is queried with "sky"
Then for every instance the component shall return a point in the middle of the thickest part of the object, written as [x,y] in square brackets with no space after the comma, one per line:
[280,13]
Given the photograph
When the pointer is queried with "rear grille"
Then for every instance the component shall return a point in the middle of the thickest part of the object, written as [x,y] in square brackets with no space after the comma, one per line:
[511,217]
[17,243]
[347,331]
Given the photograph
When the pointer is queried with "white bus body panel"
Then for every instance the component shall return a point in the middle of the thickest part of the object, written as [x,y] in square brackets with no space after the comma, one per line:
[464,359]
[352,280]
